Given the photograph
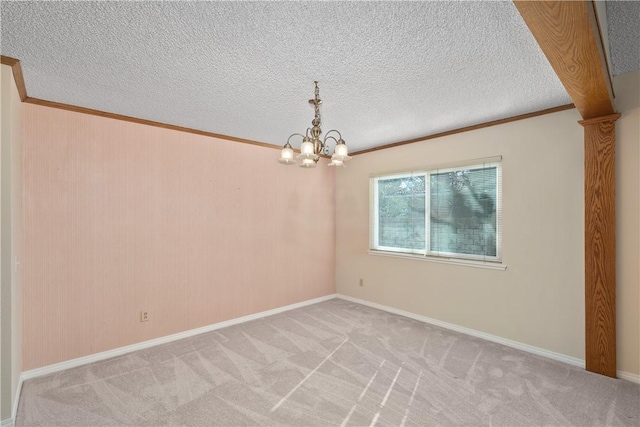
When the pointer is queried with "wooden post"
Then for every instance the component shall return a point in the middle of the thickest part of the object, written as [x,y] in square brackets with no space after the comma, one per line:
[600,244]
[570,37]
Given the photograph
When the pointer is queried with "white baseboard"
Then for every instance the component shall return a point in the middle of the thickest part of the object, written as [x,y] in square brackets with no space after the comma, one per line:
[16,400]
[634,378]
[169,338]
[49,369]
[14,410]
[493,338]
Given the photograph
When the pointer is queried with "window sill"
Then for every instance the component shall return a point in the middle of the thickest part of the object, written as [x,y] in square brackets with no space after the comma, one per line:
[455,261]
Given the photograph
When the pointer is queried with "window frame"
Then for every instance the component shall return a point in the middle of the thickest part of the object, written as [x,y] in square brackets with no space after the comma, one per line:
[471,259]
[376,213]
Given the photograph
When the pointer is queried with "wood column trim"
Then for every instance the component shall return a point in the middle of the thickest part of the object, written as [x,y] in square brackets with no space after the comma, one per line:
[607,118]
[600,244]
[569,35]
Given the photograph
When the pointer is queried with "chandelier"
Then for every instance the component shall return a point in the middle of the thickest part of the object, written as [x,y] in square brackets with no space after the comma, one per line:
[312,146]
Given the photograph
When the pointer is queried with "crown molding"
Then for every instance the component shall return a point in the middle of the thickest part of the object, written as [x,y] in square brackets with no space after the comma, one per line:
[469,128]
[17,75]
[84,110]
[17,72]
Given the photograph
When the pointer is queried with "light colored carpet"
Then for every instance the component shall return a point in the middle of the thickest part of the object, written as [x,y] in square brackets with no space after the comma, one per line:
[334,363]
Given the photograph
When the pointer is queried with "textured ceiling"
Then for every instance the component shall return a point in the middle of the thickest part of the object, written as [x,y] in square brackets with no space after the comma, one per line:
[624,35]
[388,71]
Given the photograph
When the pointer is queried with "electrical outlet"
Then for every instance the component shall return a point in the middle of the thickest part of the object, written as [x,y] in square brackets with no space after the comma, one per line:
[361,282]
[144,316]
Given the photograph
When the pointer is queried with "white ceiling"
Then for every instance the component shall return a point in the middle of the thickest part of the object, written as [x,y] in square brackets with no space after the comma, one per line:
[388,71]
[623,19]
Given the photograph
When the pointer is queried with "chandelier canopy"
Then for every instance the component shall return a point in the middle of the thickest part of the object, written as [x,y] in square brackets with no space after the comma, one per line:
[312,146]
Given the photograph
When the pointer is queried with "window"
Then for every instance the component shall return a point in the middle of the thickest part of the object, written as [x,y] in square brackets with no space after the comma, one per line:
[452,212]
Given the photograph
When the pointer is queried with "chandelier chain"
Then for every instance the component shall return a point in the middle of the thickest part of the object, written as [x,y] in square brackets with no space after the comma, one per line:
[316,107]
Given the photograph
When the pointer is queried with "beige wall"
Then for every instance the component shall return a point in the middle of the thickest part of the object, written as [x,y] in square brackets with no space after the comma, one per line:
[121,217]
[10,242]
[539,299]
[627,89]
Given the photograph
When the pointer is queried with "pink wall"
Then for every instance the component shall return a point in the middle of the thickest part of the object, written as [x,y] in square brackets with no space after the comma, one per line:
[121,217]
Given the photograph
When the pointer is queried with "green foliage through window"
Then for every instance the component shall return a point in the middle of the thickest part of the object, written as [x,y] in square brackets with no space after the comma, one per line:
[453,212]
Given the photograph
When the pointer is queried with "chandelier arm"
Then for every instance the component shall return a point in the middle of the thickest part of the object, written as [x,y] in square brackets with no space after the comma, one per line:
[326,144]
[333,130]
[327,137]
[292,135]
